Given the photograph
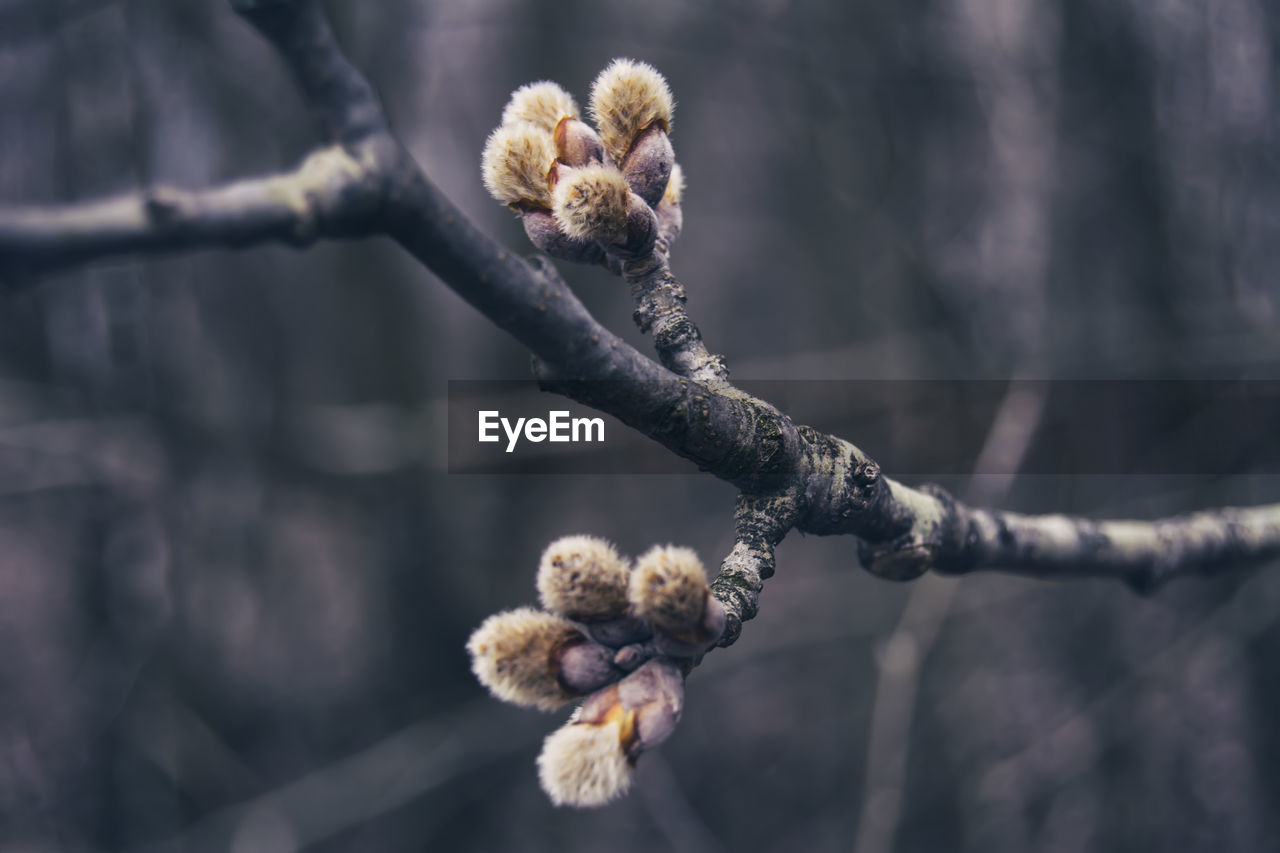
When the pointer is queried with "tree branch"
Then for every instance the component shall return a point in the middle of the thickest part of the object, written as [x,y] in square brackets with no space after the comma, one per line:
[341,100]
[331,195]
[791,476]
[660,310]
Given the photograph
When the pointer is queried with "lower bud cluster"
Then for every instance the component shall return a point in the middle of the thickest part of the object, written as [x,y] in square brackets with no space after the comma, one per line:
[618,637]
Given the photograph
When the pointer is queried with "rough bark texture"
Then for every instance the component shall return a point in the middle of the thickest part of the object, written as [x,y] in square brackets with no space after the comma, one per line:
[362,182]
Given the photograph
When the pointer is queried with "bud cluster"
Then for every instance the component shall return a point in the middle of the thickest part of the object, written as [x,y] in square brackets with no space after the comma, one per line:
[617,637]
[590,194]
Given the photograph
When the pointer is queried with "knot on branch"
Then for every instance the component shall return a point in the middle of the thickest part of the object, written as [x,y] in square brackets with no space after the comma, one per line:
[846,491]
[623,637]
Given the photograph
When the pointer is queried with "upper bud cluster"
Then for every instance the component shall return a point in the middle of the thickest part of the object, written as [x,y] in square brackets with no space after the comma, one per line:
[621,637]
[584,194]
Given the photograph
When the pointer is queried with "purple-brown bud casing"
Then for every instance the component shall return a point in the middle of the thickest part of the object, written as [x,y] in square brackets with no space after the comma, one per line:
[647,167]
[577,143]
[642,230]
[544,232]
[585,667]
[650,700]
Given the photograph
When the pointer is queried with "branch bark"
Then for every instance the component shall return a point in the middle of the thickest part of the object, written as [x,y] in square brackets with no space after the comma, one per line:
[361,181]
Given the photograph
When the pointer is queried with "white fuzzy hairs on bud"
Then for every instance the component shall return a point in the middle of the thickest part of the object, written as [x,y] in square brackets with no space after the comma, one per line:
[583,578]
[515,163]
[591,204]
[585,764]
[626,98]
[543,104]
[669,588]
[513,654]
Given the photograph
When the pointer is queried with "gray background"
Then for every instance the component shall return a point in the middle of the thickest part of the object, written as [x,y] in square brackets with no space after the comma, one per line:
[236,579]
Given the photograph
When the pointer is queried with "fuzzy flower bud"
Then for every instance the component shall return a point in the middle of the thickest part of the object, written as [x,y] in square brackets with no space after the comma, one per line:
[669,589]
[516,655]
[583,577]
[515,163]
[589,761]
[543,104]
[626,98]
[591,204]
[586,764]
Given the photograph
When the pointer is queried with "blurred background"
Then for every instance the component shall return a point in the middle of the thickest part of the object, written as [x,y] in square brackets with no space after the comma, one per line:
[236,577]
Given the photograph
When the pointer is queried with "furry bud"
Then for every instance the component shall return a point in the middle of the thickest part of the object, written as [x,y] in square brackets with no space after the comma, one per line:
[669,589]
[544,232]
[626,98]
[591,204]
[648,166]
[543,104]
[589,761]
[515,163]
[577,144]
[585,764]
[583,577]
[516,655]
[692,643]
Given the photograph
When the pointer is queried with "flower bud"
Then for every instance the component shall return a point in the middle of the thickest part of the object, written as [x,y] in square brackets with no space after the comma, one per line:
[647,168]
[543,104]
[515,163]
[626,98]
[669,590]
[577,144]
[583,577]
[585,764]
[515,655]
[589,761]
[591,204]
[696,640]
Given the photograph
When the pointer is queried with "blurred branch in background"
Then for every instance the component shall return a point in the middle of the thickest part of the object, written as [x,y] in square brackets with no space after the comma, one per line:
[902,654]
